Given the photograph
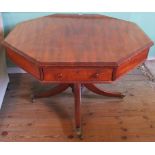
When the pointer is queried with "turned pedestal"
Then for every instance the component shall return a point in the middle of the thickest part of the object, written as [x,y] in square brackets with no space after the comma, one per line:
[77,90]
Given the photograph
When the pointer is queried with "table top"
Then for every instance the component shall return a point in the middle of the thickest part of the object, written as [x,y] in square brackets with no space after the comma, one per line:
[72,40]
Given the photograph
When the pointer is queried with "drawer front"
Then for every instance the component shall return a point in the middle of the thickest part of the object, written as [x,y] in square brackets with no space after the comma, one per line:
[80,74]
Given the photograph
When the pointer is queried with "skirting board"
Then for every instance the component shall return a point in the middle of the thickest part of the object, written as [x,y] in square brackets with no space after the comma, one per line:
[4,85]
[14,70]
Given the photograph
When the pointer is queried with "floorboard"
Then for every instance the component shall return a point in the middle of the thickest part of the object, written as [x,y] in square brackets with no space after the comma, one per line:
[103,118]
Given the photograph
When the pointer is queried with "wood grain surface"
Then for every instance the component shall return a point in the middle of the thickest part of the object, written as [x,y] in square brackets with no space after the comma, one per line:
[77,48]
[77,40]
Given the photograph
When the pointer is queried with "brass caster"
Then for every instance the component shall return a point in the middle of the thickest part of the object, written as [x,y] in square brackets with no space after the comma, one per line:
[79,133]
[32,99]
[122,96]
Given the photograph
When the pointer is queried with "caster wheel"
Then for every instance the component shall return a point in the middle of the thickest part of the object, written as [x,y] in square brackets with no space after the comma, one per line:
[122,95]
[79,133]
[32,99]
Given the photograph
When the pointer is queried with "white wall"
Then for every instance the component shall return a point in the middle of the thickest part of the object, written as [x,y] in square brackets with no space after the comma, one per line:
[3,73]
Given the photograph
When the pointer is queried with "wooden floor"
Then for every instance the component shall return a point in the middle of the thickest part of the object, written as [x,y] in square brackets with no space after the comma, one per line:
[103,118]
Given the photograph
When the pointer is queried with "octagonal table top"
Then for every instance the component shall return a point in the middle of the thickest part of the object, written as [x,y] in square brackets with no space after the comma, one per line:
[77,40]
[77,51]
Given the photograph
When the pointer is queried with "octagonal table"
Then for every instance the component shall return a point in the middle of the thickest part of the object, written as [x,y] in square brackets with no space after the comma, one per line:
[77,51]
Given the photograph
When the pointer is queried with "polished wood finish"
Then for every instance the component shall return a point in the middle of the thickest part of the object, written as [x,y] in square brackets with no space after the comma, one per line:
[96,90]
[56,90]
[77,49]
[82,74]
[125,66]
[77,40]
[27,65]
[77,98]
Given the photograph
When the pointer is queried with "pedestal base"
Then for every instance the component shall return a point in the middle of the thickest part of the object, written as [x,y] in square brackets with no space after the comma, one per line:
[77,89]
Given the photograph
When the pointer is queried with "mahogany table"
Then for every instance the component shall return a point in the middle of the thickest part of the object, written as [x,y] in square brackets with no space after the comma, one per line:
[77,51]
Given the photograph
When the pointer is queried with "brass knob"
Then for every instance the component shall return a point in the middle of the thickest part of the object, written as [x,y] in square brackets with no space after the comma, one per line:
[59,75]
[96,75]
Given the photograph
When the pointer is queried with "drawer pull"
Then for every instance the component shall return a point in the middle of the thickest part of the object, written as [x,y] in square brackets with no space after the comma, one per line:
[96,75]
[59,76]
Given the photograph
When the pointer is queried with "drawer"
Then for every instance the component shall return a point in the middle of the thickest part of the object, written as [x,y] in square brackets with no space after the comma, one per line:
[78,74]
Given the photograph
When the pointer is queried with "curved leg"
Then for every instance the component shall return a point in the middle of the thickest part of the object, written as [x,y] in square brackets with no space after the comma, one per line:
[96,90]
[77,98]
[56,90]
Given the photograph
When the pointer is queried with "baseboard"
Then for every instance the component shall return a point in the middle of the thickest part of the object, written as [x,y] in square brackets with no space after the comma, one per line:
[14,70]
[3,88]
